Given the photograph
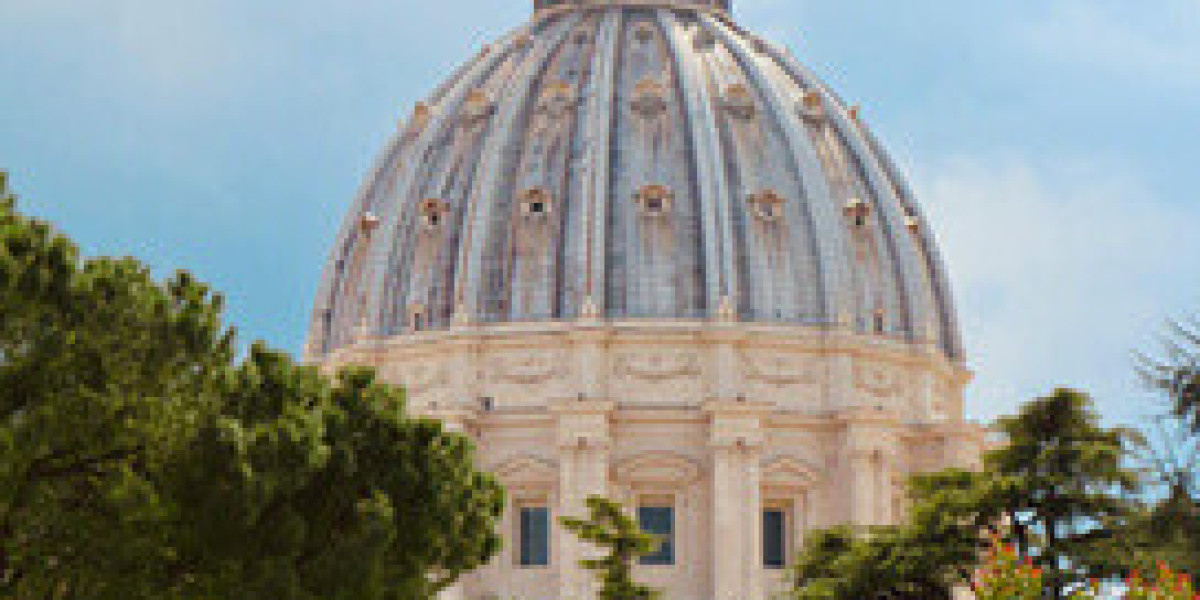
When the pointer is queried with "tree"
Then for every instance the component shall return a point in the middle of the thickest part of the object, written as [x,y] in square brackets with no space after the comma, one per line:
[1056,491]
[1061,486]
[1167,524]
[101,369]
[1177,373]
[926,558]
[140,460]
[339,494]
[608,527]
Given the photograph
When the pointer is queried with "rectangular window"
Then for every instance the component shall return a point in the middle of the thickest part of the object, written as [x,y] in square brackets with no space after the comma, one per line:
[535,536]
[659,521]
[774,537]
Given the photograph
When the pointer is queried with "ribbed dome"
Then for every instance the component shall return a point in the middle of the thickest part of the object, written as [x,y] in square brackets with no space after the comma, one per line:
[628,160]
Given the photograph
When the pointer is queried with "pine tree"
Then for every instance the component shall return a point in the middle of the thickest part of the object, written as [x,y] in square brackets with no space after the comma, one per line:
[608,527]
[140,460]
[1057,489]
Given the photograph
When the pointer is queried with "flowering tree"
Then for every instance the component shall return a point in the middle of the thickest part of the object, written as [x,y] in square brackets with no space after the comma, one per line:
[1006,576]
[1165,585]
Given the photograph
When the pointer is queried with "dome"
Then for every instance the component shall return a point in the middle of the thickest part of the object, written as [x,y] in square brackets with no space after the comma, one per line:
[634,160]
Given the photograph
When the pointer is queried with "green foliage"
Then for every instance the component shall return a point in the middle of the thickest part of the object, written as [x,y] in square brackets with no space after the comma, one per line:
[1061,486]
[1058,488]
[609,528]
[140,460]
[1177,373]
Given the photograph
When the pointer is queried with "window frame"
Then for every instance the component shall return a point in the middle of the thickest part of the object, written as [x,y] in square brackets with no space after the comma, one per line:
[785,526]
[520,554]
[669,544]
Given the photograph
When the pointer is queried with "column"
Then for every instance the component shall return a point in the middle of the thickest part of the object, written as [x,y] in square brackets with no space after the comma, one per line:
[583,442]
[736,440]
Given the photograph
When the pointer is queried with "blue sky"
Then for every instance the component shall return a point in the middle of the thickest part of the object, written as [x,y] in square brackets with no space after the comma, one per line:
[1053,144]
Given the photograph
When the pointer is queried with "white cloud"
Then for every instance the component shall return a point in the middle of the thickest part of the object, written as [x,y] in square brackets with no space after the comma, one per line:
[1156,44]
[1062,272]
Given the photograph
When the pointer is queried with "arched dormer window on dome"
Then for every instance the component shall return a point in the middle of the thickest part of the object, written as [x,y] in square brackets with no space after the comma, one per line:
[655,200]
[857,211]
[649,98]
[556,99]
[478,107]
[535,203]
[766,205]
[739,102]
[433,213]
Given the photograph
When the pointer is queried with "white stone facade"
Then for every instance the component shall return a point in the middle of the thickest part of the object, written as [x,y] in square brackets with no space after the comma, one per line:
[718,419]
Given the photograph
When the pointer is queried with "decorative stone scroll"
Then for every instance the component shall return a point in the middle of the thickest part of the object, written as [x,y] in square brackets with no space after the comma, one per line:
[788,473]
[527,472]
[879,380]
[657,469]
[778,369]
[529,367]
[658,366]
[418,376]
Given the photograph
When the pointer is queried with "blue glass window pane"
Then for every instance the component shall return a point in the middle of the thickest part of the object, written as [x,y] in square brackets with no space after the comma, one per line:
[535,536]
[774,539]
[659,521]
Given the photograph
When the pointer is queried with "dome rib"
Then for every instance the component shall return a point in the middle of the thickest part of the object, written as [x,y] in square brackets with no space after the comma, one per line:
[497,152]
[713,189]
[825,224]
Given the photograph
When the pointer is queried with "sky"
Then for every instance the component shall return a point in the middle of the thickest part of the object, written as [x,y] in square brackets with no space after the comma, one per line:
[1052,144]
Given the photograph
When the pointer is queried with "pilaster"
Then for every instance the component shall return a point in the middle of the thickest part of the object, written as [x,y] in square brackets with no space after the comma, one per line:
[584,438]
[736,438]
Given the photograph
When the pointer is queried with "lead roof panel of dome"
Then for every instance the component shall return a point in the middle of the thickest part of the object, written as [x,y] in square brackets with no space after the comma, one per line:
[636,160]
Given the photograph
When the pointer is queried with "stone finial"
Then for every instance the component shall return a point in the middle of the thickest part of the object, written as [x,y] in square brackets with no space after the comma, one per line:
[590,311]
[462,315]
[726,311]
